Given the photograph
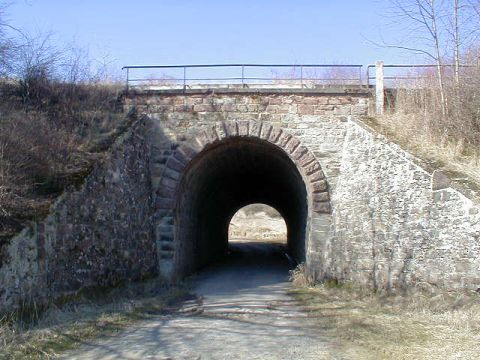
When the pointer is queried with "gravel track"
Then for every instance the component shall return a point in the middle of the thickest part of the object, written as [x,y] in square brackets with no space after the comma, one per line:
[241,310]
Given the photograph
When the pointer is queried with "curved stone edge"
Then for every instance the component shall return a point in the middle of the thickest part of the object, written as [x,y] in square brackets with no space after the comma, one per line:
[209,135]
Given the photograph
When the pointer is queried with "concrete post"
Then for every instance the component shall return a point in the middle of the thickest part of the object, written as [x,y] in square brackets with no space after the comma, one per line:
[379,88]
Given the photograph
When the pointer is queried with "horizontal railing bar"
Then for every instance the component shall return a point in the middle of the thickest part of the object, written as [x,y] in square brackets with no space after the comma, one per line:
[249,78]
[419,65]
[234,65]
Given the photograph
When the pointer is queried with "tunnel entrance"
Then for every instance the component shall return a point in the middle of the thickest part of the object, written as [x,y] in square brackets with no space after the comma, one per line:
[222,179]
[257,223]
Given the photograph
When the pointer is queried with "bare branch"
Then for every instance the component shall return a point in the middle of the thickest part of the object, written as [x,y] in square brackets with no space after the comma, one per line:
[400,47]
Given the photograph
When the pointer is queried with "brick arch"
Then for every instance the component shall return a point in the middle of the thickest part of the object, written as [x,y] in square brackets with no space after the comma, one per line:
[209,135]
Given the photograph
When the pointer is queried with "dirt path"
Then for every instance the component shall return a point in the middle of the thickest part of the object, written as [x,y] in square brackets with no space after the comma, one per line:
[242,311]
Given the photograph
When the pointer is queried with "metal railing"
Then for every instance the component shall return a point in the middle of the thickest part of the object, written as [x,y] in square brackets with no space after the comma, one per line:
[405,74]
[297,75]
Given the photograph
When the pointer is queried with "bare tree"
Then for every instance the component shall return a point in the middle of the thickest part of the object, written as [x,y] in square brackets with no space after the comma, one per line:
[423,19]
[36,63]
[5,42]
[456,41]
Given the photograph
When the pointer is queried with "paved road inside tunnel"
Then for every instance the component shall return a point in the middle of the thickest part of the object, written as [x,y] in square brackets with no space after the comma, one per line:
[242,311]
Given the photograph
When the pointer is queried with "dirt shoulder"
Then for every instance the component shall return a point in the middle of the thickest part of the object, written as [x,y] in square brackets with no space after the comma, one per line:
[92,315]
[407,326]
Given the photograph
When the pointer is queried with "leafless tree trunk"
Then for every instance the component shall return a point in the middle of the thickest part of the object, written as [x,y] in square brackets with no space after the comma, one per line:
[433,28]
[456,42]
[424,16]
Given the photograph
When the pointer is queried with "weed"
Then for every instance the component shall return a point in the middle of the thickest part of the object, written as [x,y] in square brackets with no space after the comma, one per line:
[416,325]
[67,324]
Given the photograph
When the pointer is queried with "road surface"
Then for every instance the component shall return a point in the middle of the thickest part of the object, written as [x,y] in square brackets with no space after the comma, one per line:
[242,311]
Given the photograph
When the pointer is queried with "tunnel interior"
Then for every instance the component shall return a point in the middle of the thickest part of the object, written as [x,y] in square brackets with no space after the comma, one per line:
[226,177]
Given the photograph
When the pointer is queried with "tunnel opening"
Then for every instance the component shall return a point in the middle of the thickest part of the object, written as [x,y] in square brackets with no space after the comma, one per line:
[257,223]
[221,180]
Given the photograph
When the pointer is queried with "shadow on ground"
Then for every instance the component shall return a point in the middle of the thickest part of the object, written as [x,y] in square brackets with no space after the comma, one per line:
[241,310]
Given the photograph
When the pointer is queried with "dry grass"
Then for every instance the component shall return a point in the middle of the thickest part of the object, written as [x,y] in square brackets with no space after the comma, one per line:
[449,141]
[382,326]
[411,131]
[90,316]
[49,143]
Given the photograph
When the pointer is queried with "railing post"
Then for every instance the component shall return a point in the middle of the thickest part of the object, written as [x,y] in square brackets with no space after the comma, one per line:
[243,76]
[128,74]
[184,78]
[379,88]
[301,77]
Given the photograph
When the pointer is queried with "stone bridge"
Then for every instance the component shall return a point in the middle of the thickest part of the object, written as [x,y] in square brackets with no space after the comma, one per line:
[357,207]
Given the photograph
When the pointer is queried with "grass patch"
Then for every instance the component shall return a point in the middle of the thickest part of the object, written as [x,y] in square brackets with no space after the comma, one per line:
[371,325]
[65,326]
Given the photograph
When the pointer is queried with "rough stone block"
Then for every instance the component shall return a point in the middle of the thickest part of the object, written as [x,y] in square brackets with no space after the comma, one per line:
[306,159]
[312,168]
[316,176]
[321,197]
[310,100]
[183,108]
[169,182]
[203,108]
[164,203]
[440,180]
[220,130]
[174,164]
[274,100]
[243,128]
[181,157]
[274,135]
[292,145]
[202,139]
[211,134]
[319,186]
[231,128]
[165,192]
[171,174]
[283,139]
[321,207]
[254,128]
[187,152]
[193,100]
[265,132]
[306,109]
[229,107]
[299,152]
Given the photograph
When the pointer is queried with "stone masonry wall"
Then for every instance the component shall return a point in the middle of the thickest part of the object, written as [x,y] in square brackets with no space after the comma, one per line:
[97,235]
[317,119]
[392,226]
[395,225]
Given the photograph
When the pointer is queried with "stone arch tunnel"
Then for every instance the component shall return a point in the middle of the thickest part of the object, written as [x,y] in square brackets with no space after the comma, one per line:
[224,167]
[358,207]
[223,179]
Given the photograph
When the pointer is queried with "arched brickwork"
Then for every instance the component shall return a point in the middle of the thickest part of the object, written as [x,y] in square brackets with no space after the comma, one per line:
[206,138]
[306,162]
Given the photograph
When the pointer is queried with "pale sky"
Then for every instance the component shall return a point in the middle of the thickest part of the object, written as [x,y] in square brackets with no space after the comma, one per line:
[213,31]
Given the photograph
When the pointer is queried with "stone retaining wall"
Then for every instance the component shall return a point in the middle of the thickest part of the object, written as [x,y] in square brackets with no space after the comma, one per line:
[98,235]
[395,226]
[380,219]
[389,228]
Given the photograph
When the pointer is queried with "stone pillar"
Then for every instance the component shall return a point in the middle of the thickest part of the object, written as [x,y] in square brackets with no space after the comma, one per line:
[379,88]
